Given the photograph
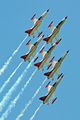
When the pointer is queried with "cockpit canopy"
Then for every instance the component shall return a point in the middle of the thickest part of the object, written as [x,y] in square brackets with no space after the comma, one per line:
[50,49]
[59,24]
[59,60]
[39,18]
[54,84]
[35,43]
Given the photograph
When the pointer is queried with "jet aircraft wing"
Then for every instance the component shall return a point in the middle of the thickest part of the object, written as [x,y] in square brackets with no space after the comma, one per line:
[29,60]
[49,87]
[53,63]
[34,54]
[43,53]
[52,96]
[58,71]
[52,28]
[33,35]
[47,62]
[57,36]
[38,30]
[30,46]
[35,20]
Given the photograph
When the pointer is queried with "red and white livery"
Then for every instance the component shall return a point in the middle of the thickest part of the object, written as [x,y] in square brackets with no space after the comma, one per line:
[46,56]
[37,23]
[32,50]
[56,67]
[51,90]
[55,31]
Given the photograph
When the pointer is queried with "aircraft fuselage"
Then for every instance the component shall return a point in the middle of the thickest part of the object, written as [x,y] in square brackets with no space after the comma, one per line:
[38,23]
[47,55]
[52,90]
[29,54]
[54,70]
[52,35]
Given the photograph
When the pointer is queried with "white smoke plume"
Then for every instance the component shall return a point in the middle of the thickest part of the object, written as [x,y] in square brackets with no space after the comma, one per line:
[36,112]
[8,61]
[30,101]
[11,90]
[12,104]
[8,80]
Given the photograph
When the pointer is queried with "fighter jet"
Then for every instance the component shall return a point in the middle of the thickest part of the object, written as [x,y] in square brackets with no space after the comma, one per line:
[37,23]
[55,31]
[32,49]
[46,56]
[56,67]
[51,90]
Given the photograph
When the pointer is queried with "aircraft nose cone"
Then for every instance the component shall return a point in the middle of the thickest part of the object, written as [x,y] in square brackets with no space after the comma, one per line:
[66,17]
[67,51]
[47,10]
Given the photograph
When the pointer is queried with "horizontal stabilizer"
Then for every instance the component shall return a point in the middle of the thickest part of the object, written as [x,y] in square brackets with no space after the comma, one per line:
[43,98]
[33,16]
[38,64]
[52,59]
[28,31]
[50,24]
[54,100]
[41,50]
[36,58]
[47,84]
[40,33]
[47,74]
[24,56]
[28,42]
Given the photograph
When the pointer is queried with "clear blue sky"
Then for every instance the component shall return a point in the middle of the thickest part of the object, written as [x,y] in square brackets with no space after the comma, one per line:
[14,20]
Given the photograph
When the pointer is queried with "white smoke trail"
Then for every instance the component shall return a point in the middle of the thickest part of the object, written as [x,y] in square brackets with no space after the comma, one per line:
[36,112]
[8,61]
[19,46]
[30,101]
[5,115]
[8,80]
[11,90]
[8,95]
[43,45]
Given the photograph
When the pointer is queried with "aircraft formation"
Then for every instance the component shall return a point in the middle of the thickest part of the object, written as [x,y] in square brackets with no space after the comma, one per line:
[40,65]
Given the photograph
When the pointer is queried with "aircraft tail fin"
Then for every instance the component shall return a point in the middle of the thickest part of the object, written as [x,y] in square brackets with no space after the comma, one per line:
[28,31]
[46,39]
[43,98]
[37,64]
[47,74]
[23,57]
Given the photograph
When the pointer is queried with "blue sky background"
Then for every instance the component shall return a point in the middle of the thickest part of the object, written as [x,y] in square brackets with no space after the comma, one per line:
[14,20]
